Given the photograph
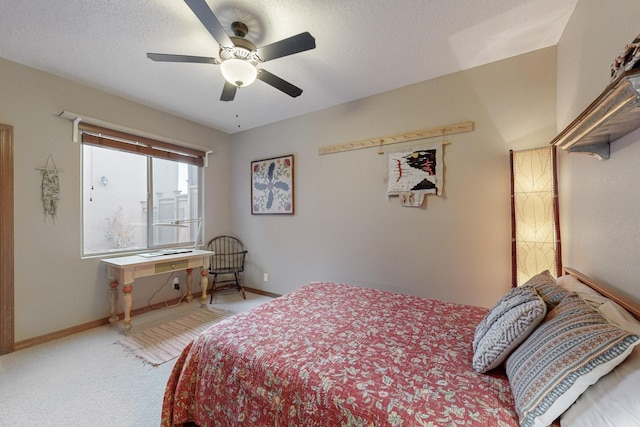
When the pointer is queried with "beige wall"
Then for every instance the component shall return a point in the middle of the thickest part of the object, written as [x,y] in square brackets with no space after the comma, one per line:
[54,288]
[345,229]
[599,200]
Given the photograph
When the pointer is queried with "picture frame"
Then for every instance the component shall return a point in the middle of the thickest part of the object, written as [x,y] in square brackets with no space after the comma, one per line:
[272,182]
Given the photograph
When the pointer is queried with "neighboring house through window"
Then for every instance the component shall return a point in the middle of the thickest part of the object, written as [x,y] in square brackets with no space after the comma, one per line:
[138,193]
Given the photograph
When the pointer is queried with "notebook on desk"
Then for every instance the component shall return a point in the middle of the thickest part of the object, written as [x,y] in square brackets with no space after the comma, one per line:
[166,252]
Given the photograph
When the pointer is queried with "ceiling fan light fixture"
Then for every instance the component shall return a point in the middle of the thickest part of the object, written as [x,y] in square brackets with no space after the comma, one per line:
[239,57]
[238,72]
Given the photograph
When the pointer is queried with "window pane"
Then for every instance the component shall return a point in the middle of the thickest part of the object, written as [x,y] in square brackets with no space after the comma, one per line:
[175,202]
[114,200]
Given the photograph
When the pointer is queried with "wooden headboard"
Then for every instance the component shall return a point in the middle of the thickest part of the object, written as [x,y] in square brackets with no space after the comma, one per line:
[629,304]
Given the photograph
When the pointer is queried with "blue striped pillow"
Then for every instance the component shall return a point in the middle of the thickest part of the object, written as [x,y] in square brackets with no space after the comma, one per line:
[570,350]
[542,278]
[545,285]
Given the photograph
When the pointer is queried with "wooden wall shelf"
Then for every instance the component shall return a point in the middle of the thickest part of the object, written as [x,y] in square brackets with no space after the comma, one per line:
[613,114]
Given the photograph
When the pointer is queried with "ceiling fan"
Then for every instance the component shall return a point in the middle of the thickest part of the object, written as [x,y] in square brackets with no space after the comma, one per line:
[239,58]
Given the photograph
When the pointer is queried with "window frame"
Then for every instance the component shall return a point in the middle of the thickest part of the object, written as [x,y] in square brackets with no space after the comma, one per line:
[150,148]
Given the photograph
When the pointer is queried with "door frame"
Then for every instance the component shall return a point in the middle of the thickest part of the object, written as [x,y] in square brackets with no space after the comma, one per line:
[7,331]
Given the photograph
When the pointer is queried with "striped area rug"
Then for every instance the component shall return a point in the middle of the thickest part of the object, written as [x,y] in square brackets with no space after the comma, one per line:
[165,342]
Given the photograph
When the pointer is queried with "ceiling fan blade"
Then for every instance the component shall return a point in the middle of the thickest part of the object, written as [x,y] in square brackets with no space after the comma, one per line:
[289,46]
[228,92]
[278,83]
[210,22]
[166,57]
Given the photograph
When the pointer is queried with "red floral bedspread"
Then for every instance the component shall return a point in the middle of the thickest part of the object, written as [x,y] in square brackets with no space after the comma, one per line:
[338,355]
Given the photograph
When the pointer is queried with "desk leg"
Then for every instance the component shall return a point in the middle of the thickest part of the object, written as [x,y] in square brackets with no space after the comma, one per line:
[204,284]
[113,301]
[189,283]
[127,302]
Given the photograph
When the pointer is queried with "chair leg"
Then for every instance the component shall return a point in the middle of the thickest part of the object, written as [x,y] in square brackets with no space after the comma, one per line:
[213,287]
[239,286]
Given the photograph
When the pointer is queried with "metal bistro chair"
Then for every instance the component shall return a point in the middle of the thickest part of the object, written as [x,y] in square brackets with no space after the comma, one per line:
[227,261]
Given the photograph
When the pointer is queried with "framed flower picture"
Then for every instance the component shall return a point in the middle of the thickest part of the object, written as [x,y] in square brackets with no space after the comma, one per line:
[272,186]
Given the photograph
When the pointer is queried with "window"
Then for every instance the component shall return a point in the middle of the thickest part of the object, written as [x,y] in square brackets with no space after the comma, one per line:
[138,193]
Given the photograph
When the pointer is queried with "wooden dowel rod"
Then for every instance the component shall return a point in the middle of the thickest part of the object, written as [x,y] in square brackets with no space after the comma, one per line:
[433,132]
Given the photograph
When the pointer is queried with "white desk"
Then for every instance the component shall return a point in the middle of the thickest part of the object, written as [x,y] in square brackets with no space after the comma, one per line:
[127,269]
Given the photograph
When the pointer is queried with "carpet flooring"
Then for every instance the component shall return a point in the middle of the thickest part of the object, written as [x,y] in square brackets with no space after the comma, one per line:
[88,380]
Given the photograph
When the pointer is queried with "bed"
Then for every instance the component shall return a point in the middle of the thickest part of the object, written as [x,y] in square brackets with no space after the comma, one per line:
[340,355]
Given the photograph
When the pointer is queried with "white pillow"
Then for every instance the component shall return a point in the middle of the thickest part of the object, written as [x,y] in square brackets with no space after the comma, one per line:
[571,283]
[506,325]
[619,316]
[613,401]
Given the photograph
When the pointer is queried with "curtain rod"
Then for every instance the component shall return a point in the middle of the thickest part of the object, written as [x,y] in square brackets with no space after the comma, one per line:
[77,118]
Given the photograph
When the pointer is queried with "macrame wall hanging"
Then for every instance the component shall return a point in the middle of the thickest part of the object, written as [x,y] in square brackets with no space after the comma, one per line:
[50,187]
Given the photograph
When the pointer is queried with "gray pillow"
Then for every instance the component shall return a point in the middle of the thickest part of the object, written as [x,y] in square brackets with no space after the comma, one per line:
[506,325]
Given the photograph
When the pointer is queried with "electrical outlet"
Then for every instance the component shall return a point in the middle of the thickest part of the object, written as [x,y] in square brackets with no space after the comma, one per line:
[176,284]
[266,277]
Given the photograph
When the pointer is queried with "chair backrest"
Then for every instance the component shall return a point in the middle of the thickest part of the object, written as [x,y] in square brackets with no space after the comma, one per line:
[229,255]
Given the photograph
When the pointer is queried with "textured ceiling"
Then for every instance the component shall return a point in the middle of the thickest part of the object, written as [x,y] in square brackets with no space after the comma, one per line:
[364,47]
